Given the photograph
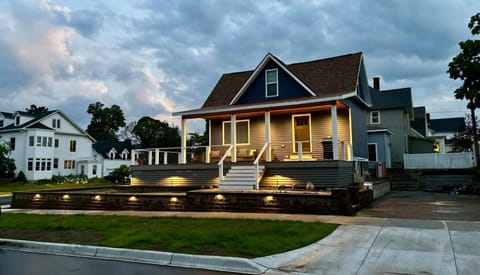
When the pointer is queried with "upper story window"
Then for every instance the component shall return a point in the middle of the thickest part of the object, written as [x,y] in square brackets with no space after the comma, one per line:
[56,143]
[12,143]
[73,145]
[1,123]
[111,154]
[55,123]
[17,120]
[31,141]
[375,117]
[125,155]
[271,83]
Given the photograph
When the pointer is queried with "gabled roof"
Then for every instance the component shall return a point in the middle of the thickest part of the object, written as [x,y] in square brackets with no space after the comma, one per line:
[103,147]
[441,125]
[327,79]
[7,115]
[392,99]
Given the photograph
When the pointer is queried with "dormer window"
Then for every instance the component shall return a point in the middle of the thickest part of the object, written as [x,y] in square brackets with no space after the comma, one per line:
[56,123]
[125,154]
[271,83]
[111,154]
[17,120]
[1,123]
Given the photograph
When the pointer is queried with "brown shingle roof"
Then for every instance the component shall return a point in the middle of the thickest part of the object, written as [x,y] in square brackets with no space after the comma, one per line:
[328,77]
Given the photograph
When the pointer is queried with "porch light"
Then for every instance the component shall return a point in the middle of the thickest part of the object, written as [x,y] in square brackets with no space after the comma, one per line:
[132,199]
[219,198]
[37,197]
[66,197]
[97,198]
[173,200]
[268,199]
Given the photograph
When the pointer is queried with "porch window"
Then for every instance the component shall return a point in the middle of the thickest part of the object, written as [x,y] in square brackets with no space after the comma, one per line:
[372,152]
[243,132]
[271,83]
[375,117]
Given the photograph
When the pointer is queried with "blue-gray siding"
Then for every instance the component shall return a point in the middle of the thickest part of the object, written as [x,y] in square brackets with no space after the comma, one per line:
[359,128]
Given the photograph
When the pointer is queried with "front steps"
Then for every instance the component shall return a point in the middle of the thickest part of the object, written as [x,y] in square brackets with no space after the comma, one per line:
[241,177]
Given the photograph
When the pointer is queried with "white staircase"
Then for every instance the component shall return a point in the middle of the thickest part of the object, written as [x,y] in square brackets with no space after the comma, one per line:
[241,177]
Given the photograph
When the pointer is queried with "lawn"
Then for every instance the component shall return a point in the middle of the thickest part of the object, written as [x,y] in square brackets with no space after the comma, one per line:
[8,188]
[206,236]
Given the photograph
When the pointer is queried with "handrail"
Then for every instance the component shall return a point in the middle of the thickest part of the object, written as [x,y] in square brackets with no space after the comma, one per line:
[220,163]
[256,162]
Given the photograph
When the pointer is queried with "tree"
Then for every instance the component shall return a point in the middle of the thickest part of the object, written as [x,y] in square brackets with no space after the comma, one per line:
[466,66]
[7,164]
[462,141]
[34,109]
[126,134]
[154,133]
[105,122]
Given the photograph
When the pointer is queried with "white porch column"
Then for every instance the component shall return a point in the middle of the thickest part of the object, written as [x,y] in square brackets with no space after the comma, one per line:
[333,110]
[268,138]
[150,156]
[209,146]
[183,145]
[132,157]
[157,156]
[233,136]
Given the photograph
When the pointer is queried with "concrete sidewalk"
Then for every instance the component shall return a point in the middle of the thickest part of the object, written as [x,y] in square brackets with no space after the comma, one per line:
[361,245]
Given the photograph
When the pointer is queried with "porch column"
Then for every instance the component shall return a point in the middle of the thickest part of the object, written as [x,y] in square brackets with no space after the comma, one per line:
[233,136]
[150,156]
[268,138]
[183,145]
[157,156]
[209,146]
[333,110]
[132,157]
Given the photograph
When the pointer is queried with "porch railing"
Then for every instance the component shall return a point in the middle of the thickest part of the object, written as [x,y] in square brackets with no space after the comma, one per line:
[257,161]
[220,163]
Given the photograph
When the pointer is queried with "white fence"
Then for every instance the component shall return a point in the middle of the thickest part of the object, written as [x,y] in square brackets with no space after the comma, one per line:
[439,161]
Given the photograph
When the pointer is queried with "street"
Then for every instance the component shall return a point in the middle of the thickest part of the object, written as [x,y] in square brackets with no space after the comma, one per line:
[27,263]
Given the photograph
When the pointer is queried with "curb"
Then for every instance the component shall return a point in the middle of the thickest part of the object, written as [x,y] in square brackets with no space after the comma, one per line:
[217,263]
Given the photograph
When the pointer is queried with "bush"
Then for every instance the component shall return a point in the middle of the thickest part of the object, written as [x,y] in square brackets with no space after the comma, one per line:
[21,177]
[120,174]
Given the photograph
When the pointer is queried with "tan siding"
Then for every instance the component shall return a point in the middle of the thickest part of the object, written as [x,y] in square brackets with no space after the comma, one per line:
[281,131]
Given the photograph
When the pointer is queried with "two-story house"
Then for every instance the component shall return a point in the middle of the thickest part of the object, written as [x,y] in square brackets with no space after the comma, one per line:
[47,143]
[112,154]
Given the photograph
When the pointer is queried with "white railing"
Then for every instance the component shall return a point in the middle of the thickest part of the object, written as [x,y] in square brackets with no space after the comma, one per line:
[257,161]
[439,161]
[220,163]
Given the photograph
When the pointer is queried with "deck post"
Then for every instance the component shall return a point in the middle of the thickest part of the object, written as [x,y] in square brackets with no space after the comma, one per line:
[233,136]
[333,111]
[183,150]
[132,156]
[150,156]
[268,138]
[157,156]
[209,146]
[165,157]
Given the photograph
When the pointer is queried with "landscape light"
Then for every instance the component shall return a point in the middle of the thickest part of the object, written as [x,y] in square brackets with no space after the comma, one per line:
[66,197]
[219,197]
[97,198]
[173,200]
[132,199]
[37,197]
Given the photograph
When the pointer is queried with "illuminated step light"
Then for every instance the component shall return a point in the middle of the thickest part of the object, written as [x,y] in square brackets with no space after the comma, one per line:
[97,198]
[219,198]
[37,197]
[66,197]
[173,200]
[132,199]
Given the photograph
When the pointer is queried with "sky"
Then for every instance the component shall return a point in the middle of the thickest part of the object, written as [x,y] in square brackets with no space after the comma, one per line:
[155,57]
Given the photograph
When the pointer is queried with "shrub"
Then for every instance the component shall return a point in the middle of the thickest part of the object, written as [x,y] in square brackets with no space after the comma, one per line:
[21,177]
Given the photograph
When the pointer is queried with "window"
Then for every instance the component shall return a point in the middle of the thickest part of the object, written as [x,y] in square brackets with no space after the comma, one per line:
[31,140]
[44,141]
[55,163]
[56,143]
[49,164]
[73,145]
[30,164]
[50,141]
[44,164]
[375,117]
[243,132]
[271,83]
[69,164]
[17,120]
[56,123]
[12,143]
[37,164]
[39,141]
[372,152]
[94,169]
[1,123]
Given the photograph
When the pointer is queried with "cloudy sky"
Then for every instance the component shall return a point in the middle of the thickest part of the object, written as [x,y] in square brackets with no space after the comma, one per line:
[156,57]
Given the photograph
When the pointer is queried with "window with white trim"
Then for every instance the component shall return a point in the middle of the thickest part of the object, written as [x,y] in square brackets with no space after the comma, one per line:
[271,83]
[375,117]
[243,132]
[372,152]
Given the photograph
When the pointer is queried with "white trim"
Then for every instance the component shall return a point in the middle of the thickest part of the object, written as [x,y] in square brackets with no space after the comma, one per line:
[264,106]
[309,129]
[270,83]
[237,121]
[379,131]
[379,117]
[376,151]
[334,121]
[257,71]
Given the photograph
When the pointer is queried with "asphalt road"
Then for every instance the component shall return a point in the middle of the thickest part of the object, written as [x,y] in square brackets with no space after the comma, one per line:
[28,263]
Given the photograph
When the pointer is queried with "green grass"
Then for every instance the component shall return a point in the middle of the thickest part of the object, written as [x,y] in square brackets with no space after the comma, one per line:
[207,236]
[8,188]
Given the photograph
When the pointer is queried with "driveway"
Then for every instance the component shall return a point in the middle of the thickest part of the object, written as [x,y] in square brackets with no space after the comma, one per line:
[425,206]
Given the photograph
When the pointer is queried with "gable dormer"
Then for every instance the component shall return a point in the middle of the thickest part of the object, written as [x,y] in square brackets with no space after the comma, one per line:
[271,80]
[111,154]
[124,154]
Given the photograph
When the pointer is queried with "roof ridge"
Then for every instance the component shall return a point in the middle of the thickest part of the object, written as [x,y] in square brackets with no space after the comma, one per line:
[324,59]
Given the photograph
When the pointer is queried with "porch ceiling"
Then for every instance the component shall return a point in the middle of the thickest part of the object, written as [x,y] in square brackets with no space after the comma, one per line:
[307,108]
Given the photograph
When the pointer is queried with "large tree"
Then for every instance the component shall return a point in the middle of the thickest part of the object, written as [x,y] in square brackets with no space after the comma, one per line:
[466,67]
[34,109]
[105,121]
[154,133]
[7,164]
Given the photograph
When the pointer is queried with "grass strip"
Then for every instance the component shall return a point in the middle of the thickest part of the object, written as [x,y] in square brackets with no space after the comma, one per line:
[7,189]
[206,236]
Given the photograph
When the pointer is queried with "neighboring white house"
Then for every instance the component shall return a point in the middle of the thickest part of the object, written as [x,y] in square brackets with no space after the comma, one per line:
[48,143]
[112,154]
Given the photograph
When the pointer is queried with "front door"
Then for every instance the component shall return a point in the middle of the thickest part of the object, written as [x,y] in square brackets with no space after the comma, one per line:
[301,132]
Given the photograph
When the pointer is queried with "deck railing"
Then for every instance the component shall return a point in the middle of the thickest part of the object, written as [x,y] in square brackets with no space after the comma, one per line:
[220,163]
[257,161]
